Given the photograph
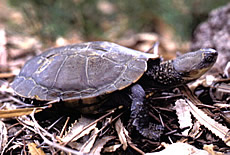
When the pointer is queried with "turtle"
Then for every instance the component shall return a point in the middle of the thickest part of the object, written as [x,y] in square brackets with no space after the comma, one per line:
[86,74]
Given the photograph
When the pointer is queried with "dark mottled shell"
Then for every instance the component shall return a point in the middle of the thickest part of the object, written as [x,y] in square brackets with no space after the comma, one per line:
[80,71]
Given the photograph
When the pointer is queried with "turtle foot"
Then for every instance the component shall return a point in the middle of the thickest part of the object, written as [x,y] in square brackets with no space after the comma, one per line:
[152,131]
[139,114]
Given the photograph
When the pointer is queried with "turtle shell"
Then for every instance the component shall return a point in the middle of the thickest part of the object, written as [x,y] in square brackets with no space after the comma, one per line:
[80,71]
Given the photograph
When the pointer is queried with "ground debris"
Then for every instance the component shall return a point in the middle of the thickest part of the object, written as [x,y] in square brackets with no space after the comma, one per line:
[180,149]
[43,127]
[102,136]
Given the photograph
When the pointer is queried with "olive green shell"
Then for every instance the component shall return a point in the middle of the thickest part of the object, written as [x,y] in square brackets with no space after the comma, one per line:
[80,71]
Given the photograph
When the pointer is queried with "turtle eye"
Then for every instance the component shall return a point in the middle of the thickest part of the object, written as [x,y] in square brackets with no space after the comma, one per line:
[209,58]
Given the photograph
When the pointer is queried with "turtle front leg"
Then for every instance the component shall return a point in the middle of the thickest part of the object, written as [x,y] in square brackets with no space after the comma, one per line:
[140,116]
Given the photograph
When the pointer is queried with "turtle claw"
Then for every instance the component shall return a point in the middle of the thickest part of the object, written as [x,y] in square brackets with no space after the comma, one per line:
[148,129]
[153,131]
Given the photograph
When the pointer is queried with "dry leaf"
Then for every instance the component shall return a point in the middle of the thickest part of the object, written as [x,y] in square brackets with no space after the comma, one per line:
[227,69]
[210,79]
[100,144]
[18,112]
[215,127]
[112,148]
[222,89]
[33,150]
[221,105]
[89,144]
[184,116]
[210,149]
[76,129]
[3,135]
[16,145]
[180,149]
[194,132]
[122,134]
[26,120]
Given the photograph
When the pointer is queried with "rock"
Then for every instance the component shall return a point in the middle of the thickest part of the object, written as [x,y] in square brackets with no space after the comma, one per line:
[215,33]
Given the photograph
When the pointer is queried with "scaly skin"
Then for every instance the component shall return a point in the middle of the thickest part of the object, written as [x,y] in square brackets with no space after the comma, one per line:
[167,74]
[183,69]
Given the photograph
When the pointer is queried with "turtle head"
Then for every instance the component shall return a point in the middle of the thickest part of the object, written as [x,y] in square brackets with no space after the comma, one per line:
[192,65]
